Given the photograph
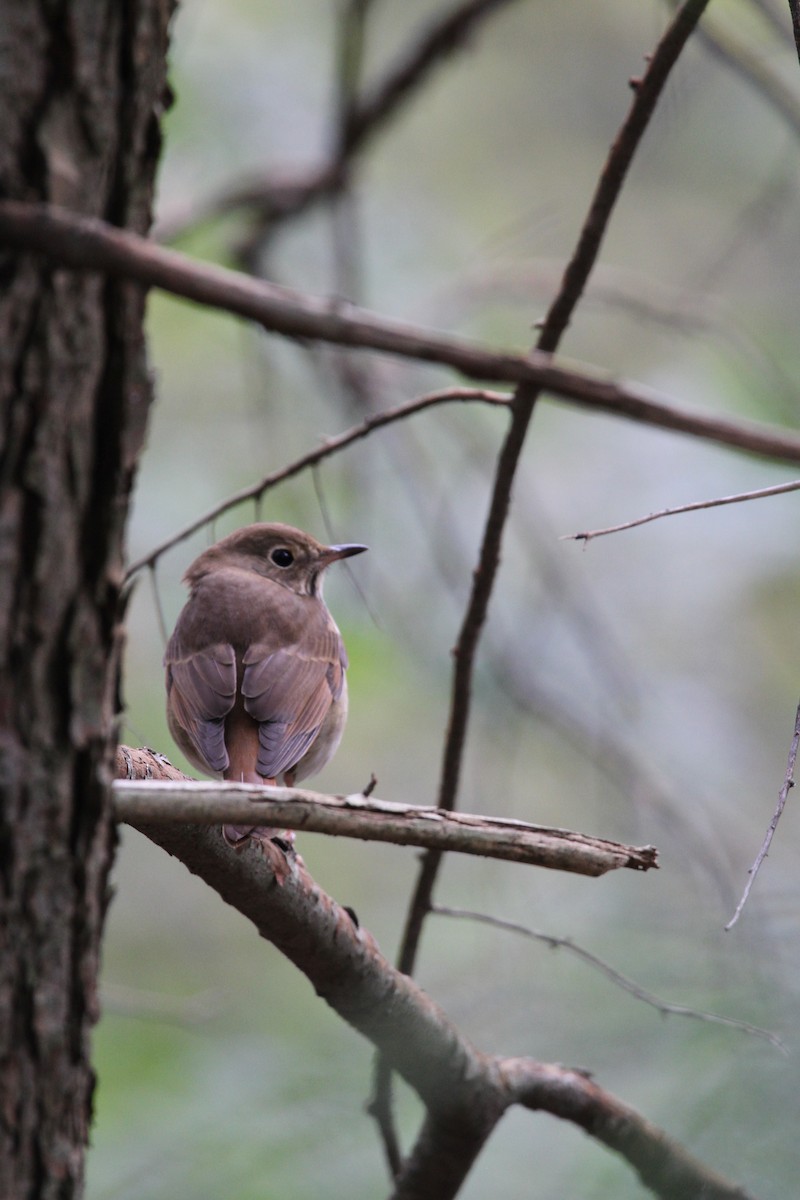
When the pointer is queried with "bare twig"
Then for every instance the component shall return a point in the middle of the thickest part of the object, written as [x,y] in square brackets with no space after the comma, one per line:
[159,607]
[443,37]
[779,489]
[783,795]
[329,447]
[175,800]
[616,977]
[646,94]
[351,40]
[93,245]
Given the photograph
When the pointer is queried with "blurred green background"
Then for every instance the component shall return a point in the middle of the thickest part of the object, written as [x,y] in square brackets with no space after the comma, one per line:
[641,689]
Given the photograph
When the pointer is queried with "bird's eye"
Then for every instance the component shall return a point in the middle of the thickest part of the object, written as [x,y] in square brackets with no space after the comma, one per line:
[282,557]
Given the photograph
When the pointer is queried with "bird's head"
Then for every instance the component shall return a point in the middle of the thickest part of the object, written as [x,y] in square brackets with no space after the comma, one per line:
[286,555]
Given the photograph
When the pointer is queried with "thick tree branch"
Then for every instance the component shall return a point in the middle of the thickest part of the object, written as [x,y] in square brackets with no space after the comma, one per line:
[178,799]
[92,245]
[464,1091]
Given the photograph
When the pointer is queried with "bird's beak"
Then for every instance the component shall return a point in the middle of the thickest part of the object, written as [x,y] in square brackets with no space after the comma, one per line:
[333,553]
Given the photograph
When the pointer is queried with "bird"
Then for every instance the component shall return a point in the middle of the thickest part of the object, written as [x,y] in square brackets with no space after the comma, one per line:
[256,667]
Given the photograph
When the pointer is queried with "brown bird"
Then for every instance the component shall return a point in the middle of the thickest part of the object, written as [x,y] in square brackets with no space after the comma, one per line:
[256,686]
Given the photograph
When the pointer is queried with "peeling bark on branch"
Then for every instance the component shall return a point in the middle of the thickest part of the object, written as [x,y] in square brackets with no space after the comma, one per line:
[179,799]
[464,1091]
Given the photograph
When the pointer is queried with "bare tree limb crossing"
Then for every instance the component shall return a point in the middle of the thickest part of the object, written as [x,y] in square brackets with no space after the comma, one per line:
[93,245]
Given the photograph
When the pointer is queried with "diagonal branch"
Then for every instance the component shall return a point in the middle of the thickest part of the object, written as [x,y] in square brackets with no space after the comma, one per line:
[663,1166]
[92,245]
[282,195]
[330,447]
[443,37]
[465,1092]
[617,978]
[783,796]
[647,91]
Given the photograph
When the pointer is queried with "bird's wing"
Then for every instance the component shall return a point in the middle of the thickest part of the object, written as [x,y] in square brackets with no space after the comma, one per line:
[202,691]
[289,692]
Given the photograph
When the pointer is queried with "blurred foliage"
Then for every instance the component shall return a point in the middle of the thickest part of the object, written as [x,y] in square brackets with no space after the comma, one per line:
[644,688]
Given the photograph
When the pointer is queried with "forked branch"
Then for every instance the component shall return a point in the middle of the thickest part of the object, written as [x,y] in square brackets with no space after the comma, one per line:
[465,1092]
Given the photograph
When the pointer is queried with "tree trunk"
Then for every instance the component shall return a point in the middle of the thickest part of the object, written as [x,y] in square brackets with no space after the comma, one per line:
[82,86]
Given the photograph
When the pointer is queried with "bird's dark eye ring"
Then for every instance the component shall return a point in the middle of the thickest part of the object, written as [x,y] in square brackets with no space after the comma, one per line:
[282,557]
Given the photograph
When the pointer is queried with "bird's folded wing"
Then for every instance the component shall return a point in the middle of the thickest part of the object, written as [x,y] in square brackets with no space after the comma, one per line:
[289,692]
[202,690]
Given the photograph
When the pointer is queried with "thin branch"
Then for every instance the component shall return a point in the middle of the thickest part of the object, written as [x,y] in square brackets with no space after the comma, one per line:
[647,91]
[181,800]
[783,795]
[779,489]
[622,981]
[92,245]
[443,37]
[329,447]
[351,37]
[646,94]
[153,577]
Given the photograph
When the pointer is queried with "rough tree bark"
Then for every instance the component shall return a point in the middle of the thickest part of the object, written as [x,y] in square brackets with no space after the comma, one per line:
[82,86]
